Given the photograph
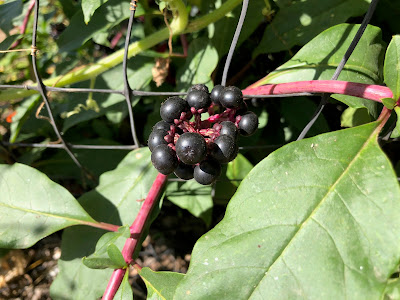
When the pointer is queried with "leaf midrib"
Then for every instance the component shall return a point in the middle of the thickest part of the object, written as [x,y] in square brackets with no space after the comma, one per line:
[330,190]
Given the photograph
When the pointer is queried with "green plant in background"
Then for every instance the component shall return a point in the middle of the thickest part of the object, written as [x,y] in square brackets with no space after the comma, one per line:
[316,218]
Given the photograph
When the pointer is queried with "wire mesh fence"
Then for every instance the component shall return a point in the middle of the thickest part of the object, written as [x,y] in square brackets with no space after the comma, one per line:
[129,93]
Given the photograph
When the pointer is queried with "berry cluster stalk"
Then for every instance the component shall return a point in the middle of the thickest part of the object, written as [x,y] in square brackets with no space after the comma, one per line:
[136,230]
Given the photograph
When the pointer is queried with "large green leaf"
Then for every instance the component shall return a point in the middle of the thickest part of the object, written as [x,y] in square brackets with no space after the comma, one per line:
[160,285]
[297,22]
[32,207]
[320,57]
[200,63]
[317,219]
[116,200]
[392,66]
[8,11]
[193,196]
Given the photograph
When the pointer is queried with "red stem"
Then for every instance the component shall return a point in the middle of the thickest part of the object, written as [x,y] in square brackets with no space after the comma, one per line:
[24,24]
[366,91]
[136,229]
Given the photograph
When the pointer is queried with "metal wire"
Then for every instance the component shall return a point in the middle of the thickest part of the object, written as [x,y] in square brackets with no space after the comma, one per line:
[356,39]
[234,41]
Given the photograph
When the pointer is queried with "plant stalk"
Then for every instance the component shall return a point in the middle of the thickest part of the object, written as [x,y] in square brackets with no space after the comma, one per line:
[136,230]
[366,91]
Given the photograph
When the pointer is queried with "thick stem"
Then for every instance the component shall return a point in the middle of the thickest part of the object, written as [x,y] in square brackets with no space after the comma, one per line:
[136,229]
[178,24]
[366,91]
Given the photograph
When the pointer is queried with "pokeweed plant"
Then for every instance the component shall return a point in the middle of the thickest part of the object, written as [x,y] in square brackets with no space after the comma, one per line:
[317,218]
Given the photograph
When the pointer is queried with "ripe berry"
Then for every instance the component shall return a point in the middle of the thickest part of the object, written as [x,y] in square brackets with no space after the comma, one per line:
[157,138]
[198,99]
[207,171]
[248,124]
[172,108]
[231,97]
[229,128]
[191,148]
[198,87]
[164,159]
[223,149]
[162,125]
[184,171]
[216,93]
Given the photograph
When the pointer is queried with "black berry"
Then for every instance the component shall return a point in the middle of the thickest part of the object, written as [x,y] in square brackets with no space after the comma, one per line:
[156,138]
[216,93]
[229,128]
[248,124]
[172,108]
[207,171]
[231,97]
[198,87]
[191,148]
[223,149]
[164,159]
[162,125]
[184,171]
[198,99]
[242,108]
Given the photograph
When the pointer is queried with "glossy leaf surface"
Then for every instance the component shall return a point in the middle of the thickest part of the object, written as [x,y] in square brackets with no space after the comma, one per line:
[317,219]
[392,66]
[32,207]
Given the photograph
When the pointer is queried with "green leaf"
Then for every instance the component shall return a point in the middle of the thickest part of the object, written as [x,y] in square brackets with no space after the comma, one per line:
[9,11]
[194,197]
[105,18]
[392,66]
[116,256]
[89,7]
[101,259]
[317,219]
[125,290]
[393,289]
[320,57]
[7,42]
[396,130]
[32,207]
[389,102]
[297,22]
[238,169]
[116,200]
[352,117]
[160,285]
[200,63]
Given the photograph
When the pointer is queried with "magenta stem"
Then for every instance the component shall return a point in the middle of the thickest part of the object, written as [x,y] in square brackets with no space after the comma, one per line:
[366,91]
[136,229]
[24,24]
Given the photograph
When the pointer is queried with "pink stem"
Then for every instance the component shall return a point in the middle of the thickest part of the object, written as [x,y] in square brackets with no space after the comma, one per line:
[136,229]
[367,91]
[24,24]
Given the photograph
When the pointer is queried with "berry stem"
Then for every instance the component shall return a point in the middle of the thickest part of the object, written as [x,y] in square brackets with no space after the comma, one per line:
[366,91]
[136,230]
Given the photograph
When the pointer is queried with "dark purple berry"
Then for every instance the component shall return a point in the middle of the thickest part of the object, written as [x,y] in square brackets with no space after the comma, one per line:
[207,171]
[157,138]
[198,99]
[248,124]
[198,87]
[229,128]
[184,171]
[162,125]
[216,93]
[242,108]
[223,149]
[231,97]
[164,159]
[191,148]
[172,108]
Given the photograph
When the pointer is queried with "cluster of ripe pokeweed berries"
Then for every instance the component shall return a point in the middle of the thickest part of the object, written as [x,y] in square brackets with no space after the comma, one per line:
[190,147]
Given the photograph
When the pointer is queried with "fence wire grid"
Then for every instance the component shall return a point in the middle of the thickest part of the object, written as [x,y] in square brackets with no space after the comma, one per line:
[128,93]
